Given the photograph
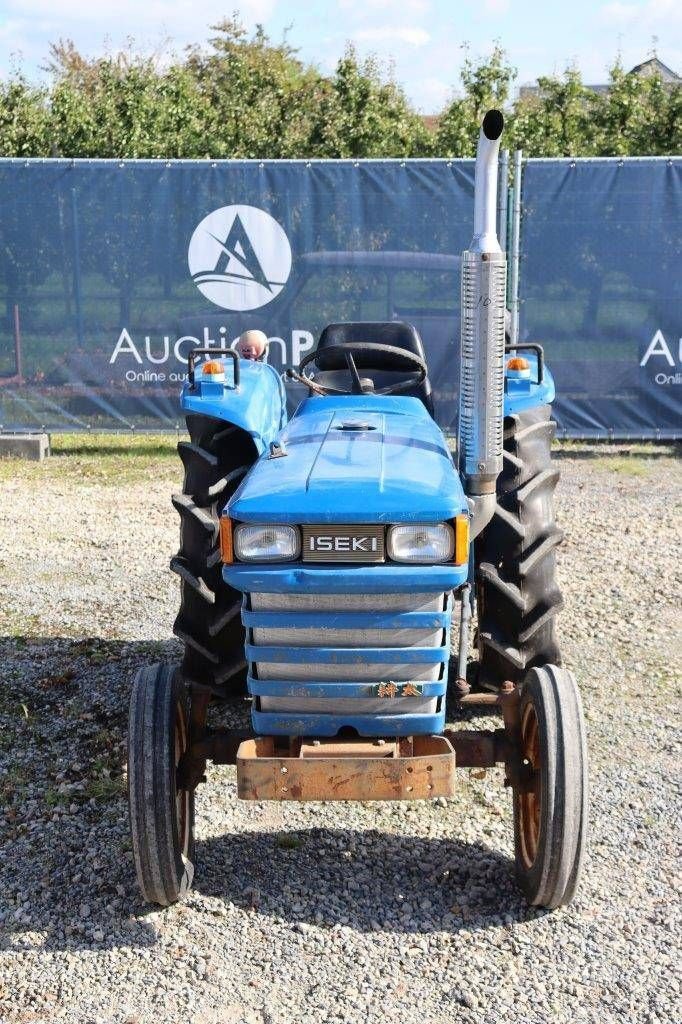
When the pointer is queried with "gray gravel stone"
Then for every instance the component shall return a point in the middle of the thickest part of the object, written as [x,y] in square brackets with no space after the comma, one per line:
[406,912]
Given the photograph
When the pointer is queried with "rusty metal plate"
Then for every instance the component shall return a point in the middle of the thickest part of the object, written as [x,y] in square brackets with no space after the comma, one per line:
[334,748]
[429,772]
[343,543]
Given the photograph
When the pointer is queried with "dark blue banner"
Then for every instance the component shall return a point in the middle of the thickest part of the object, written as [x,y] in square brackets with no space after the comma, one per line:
[111,271]
[601,288]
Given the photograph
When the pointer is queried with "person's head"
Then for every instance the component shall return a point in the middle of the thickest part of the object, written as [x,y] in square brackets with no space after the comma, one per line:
[252,344]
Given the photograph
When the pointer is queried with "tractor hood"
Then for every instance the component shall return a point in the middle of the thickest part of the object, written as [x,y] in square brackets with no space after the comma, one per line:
[355,459]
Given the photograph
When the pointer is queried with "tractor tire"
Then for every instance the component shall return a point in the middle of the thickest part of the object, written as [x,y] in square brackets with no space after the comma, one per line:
[215,459]
[517,593]
[551,794]
[161,814]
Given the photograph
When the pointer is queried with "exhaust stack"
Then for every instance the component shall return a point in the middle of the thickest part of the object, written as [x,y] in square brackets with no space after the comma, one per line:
[484,279]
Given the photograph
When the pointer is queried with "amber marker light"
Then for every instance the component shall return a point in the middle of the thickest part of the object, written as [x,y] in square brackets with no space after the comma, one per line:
[461,525]
[226,545]
[518,363]
[214,366]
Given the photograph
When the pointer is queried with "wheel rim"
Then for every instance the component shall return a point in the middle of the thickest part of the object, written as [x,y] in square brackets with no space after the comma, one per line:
[182,796]
[530,796]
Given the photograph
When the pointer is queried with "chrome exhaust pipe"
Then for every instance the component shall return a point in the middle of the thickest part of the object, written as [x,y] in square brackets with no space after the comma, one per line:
[484,283]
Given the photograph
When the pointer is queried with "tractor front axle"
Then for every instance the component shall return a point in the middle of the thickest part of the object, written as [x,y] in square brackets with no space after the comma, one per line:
[346,768]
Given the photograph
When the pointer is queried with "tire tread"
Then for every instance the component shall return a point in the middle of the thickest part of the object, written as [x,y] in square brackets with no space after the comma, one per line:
[215,460]
[162,874]
[553,878]
[518,597]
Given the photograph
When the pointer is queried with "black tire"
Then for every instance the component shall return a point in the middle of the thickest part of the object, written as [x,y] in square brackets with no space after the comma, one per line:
[161,815]
[550,809]
[215,460]
[517,593]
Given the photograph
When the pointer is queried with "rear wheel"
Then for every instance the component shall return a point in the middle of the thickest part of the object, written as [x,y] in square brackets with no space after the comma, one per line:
[550,795]
[517,593]
[215,459]
[161,813]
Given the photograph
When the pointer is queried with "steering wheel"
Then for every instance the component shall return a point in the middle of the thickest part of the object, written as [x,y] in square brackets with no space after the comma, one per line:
[358,388]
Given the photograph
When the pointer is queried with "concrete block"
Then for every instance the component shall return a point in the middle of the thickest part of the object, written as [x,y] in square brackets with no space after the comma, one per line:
[35,447]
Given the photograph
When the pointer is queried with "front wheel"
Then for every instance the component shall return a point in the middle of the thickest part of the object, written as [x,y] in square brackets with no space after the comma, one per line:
[550,793]
[161,813]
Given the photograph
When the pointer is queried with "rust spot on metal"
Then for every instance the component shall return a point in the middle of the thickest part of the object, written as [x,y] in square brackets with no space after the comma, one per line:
[509,700]
[479,699]
[461,688]
[340,769]
[478,748]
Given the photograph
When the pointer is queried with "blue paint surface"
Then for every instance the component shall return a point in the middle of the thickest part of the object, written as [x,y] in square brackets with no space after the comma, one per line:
[323,688]
[279,723]
[400,470]
[267,723]
[258,405]
[389,578]
[347,620]
[521,394]
[348,655]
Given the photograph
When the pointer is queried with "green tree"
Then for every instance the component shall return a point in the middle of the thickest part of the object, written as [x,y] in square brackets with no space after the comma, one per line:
[258,98]
[639,115]
[636,115]
[363,114]
[671,129]
[558,121]
[24,119]
[243,95]
[123,106]
[485,84]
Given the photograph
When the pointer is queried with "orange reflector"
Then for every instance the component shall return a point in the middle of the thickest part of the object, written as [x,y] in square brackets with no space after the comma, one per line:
[226,547]
[518,363]
[214,366]
[461,524]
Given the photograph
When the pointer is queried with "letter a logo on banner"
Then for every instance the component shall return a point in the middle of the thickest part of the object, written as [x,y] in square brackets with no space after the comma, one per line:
[239,257]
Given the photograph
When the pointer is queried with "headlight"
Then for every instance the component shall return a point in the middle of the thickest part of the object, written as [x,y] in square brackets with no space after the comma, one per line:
[266,543]
[421,543]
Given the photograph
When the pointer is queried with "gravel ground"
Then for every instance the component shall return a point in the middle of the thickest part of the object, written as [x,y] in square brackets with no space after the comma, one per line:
[323,912]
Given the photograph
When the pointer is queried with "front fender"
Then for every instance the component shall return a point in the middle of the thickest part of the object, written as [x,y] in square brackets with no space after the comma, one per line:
[257,405]
[521,393]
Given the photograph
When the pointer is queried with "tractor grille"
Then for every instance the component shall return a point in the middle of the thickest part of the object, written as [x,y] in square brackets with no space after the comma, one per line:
[340,656]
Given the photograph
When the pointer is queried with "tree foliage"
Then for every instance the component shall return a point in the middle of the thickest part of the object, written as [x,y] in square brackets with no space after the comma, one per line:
[255,98]
[363,115]
[559,120]
[485,84]
[24,118]
[637,116]
[243,96]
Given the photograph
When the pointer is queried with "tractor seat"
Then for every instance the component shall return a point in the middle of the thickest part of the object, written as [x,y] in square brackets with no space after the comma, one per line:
[383,367]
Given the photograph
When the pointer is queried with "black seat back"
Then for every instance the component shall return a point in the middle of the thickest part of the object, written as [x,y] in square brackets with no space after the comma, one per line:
[388,366]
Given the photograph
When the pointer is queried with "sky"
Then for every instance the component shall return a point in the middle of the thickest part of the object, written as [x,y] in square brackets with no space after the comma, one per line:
[421,39]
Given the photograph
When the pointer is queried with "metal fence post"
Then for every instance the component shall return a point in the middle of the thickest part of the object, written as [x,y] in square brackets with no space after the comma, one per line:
[16,323]
[77,266]
[515,249]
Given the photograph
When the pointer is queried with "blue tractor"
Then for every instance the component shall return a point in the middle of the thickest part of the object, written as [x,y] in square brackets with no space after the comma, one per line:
[329,567]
